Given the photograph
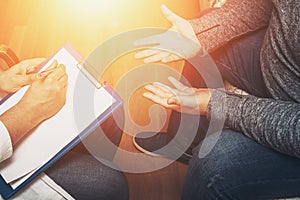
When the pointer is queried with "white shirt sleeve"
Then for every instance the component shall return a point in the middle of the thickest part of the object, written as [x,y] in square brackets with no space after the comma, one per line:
[6,148]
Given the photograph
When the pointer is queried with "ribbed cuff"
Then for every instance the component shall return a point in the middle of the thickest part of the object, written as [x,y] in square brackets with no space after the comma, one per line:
[225,106]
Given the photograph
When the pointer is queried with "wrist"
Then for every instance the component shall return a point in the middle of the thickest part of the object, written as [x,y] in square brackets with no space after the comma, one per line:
[204,99]
[18,121]
[30,111]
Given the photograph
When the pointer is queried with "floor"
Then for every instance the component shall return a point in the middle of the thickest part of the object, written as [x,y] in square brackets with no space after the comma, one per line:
[163,184]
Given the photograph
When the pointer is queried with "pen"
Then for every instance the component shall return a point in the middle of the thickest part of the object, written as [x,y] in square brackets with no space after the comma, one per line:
[45,73]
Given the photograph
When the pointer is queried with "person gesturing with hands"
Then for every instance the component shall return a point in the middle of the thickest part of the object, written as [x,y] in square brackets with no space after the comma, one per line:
[178,42]
[255,48]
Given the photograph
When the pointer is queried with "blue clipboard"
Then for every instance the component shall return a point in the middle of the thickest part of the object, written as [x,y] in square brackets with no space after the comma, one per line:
[7,191]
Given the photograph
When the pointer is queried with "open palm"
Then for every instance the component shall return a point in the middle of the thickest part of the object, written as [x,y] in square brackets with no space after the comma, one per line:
[177,43]
[181,98]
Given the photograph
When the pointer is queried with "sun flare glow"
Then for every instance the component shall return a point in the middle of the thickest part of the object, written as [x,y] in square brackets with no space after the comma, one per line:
[37,28]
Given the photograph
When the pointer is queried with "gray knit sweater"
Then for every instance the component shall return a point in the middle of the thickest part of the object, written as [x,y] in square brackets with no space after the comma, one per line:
[273,122]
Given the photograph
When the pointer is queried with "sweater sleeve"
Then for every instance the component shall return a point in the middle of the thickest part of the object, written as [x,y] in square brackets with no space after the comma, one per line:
[234,18]
[270,122]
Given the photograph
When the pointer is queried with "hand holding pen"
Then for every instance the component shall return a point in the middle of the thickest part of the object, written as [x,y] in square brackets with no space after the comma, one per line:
[43,99]
[47,94]
[23,73]
[46,72]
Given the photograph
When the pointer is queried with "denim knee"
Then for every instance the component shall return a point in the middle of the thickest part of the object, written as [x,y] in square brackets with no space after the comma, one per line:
[239,168]
[213,176]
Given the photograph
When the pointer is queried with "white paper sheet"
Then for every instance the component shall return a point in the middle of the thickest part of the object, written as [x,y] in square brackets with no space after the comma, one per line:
[19,181]
[52,135]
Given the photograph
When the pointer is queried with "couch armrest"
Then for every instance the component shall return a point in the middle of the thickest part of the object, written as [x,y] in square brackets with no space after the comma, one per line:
[8,56]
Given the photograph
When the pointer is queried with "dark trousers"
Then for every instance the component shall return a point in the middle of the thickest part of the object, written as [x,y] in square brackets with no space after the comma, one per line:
[85,177]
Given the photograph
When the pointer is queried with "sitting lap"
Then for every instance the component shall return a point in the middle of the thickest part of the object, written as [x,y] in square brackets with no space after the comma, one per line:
[84,177]
[239,168]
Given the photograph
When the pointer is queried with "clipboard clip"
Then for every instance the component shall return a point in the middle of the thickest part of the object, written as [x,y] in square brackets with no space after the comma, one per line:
[89,72]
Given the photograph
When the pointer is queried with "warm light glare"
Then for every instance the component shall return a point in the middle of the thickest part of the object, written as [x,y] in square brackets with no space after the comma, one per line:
[37,28]
[90,7]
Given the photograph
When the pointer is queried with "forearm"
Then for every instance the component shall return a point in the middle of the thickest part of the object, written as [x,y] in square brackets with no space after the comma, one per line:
[18,121]
[273,123]
[235,18]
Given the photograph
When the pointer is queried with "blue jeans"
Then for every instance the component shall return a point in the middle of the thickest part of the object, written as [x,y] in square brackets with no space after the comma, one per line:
[238,167]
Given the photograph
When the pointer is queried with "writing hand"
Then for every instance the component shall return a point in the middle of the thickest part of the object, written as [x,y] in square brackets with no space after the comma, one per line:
[43,99]
[46,96]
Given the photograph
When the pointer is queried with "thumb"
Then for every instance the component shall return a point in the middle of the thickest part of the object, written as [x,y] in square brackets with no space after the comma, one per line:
[27,79]
[186,101]
[173,101]
[171,16]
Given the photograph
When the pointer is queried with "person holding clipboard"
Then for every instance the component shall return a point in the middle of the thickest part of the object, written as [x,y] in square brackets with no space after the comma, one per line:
[81,175]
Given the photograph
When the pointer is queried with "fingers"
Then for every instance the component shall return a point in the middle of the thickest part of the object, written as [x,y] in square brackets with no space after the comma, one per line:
[156,99]
[30,78]
[57,74]
[172,17]
[165,88]
[171,58]
[53,65]
[167,96]
[178,85]
[33,64]
[153,55]
[30,69]
[157,57]
[151,40]
[63,81]
[22,80]
[173,101]
[158,91]
[163,57]
[157,54]
[146,53]
[27,66]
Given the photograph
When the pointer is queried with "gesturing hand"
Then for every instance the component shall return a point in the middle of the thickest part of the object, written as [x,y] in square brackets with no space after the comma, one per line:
[19,75]
[181,98]
[178,42]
